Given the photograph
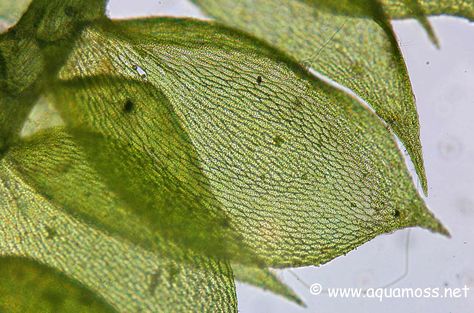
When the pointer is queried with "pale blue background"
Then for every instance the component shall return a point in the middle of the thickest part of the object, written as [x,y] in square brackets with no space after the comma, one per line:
[443,81]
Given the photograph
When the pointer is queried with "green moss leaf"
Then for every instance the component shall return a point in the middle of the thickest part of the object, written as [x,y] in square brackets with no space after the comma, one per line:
[50,21]
[304,172]
[28,286]
[350,42]
[133,138]
[130,278]
[462,8]
[32,51]
[265,279]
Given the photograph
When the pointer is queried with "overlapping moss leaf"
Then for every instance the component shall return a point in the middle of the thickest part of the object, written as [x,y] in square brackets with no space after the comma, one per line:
[461,8]
[32,51]
[304,172]
[131,136]
[351,42]
[43,289]
[211,132]
[169,279]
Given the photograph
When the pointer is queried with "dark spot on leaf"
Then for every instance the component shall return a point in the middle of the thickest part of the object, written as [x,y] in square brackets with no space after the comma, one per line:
[259,80]
[225,223]
[51,232]
[298,103]
[278,141]
[70,11]
[154,280]
[396,213]
[128,106]
[353,205]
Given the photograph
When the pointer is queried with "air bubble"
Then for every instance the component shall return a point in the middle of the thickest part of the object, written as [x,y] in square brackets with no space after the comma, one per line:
[140,71]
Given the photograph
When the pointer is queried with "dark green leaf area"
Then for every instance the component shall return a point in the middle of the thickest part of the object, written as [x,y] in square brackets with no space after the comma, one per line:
[30,287]
[132,138]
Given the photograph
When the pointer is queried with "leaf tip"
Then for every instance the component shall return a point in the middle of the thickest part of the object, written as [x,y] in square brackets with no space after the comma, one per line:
[425,218]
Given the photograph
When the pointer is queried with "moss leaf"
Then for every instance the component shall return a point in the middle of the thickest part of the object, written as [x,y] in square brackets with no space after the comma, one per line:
[265,279]
[350,42]
[43,289]
[130,278]
[304,172]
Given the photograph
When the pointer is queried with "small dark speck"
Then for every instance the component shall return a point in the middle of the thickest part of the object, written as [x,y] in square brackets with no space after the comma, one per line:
[446,284]
[51,232]
[70,11]
[278,141]
[259,80]
[396,214]
[128,107]
[225,223]
[427,62]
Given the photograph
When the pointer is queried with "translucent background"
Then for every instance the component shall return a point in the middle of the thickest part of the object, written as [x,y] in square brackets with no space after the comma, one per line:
[443,81]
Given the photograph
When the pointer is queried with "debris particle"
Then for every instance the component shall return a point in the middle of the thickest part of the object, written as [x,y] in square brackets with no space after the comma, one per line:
[51,232]
[70,11]
[140,71]
[128,107]
[396,214]
[278,141]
